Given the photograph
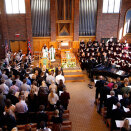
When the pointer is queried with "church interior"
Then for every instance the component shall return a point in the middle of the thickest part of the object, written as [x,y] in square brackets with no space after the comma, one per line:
[65,65]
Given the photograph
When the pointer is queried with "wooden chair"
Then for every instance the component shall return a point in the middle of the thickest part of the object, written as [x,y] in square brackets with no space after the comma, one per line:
[66,111]
[66,126]
[31,117]
[50,114]
[21,118]
[21,127]
[65,116]
[36,55]
[33,126]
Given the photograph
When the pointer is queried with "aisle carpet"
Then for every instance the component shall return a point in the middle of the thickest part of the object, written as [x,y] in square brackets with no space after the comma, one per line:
[83,112]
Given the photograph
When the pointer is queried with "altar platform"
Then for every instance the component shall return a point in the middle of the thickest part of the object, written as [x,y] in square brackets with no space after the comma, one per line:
[68,59]
[71,73]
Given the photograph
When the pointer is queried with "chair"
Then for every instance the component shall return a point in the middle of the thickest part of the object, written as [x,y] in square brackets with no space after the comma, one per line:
[66,111]
[66,126]
[50,114]
[32,125]
[31,117]
[21,127]
[21,118]
[65,116]
[36,55]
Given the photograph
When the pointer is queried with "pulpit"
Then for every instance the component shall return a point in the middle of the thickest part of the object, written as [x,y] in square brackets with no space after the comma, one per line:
[68,59]
[44,61]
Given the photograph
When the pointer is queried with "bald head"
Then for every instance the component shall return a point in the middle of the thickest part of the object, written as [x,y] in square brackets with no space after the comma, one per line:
[112,93]
[100,77]
[118,104]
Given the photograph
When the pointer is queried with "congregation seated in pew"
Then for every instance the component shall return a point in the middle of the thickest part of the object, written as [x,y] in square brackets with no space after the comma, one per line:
[115,100]
[29,94]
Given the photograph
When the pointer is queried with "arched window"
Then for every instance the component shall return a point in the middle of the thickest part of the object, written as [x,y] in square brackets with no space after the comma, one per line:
[127,25]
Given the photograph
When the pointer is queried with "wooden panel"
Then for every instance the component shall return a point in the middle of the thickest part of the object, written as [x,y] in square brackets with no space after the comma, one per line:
[39,42]
[64,38]
[54,44]
[18,45]
[86,38]
[76,44]
[36,45]
[23,46]
[14,45]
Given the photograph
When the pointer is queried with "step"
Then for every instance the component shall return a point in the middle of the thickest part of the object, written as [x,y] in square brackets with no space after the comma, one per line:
[75,70]
[73,75]
[75,79]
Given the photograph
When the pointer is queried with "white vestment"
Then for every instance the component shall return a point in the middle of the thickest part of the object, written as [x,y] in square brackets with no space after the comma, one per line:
[52,54]
[45,52]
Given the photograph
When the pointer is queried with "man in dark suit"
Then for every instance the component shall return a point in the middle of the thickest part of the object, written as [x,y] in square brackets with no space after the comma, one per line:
[117,114]
[99,84]
[105,90]
[64,98]
[125,101]
[109,103]
[90,67]
[12,97]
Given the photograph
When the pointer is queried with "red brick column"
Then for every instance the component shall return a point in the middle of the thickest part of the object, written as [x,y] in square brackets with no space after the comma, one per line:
[4,29]
[53,19]
[28,22]
[76,20]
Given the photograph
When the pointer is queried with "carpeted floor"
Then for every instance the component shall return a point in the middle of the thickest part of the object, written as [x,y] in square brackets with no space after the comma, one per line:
[83,112]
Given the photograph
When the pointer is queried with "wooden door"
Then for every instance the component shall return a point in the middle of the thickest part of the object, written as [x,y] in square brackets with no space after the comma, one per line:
[23,46]
[18,45]
[14,45]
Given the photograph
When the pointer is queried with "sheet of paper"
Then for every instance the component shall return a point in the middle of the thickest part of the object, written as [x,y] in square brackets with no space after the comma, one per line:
[114,107]
[17,94]
[60,93]
[119,123]
[95,81]
[108,96]
[129,86]
[126,109]
[120,97]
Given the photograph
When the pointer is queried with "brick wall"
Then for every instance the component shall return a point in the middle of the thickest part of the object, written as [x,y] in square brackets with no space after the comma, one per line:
[76,20]
[2,52]
[53,19]
[13,24]
[17,25]
[108,25]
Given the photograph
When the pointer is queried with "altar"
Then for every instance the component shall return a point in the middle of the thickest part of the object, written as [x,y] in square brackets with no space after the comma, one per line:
[68,59]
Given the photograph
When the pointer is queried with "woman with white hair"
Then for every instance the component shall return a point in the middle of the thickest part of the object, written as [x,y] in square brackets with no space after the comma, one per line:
[52,98]
[53,86]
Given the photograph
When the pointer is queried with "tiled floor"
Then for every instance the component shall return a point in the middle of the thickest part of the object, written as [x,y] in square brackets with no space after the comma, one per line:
[83,112]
